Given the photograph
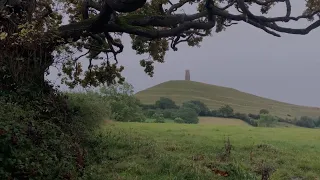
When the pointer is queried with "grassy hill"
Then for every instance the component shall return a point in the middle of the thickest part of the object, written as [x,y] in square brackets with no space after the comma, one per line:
[216,96]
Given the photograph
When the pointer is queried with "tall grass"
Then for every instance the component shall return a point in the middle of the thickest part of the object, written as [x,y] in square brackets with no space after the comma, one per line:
[179,151]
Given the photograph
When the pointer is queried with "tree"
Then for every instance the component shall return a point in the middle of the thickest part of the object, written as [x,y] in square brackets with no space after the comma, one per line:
[123,104]
[267,120]
[204,110]
[165,103]
[306,121]
[35,36]
[38,34]
[317,123]
[188,115]
[158,118]
[226,111]
[191,105]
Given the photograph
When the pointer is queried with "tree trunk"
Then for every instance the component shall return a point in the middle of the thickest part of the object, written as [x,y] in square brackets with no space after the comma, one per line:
[23,68]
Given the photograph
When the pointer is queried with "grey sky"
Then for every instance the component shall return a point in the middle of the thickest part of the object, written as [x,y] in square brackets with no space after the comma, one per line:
[245,58]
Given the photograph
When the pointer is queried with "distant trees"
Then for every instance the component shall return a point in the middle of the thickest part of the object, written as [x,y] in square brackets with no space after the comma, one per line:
[191,105]
[254,116]
[317,122]
[189,111]
[226,111]
[306,121]
[267,120]
[188,115]
[204,110]
[124,106]
[165,103]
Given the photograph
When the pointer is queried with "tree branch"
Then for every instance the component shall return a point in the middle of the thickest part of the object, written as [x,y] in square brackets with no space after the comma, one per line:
[183,22]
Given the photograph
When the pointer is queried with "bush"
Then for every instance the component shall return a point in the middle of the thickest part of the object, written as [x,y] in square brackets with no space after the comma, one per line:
[317,122]
[178,120]
[188,115]
[254,116]
[46,135]
[226,111]
[191,105]
[246,119]
[149,112]
[264,111]
[124,106]
[204,110]
[169,113]
[306,121]
[89,107]
[215,113]
[158,118]
[165,103]
[267,120]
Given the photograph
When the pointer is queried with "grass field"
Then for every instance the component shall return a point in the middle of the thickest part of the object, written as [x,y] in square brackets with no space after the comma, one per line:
[222,121]
[216,96]
[172,151]
[212,120]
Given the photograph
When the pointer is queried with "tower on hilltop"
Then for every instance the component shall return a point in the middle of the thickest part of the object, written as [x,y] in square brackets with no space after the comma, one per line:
[187,75]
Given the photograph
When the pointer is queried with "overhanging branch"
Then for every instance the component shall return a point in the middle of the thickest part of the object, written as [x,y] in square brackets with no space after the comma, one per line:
[178,23]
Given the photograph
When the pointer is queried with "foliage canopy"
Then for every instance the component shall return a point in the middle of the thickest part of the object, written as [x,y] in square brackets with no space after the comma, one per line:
[35,35]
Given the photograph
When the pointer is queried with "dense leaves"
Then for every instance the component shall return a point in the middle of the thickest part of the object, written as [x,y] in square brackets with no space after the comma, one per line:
[165,103]
[45,136]
[188,115]
[123,105]
[84,36]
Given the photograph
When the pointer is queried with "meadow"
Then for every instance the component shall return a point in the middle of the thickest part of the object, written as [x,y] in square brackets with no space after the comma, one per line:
[202,151]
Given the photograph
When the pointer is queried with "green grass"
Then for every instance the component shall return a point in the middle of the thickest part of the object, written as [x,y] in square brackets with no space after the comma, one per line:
[216,96]
[150,120]
[168,151]
[222,121]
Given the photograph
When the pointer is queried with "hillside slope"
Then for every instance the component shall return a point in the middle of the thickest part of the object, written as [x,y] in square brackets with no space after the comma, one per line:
[216,96]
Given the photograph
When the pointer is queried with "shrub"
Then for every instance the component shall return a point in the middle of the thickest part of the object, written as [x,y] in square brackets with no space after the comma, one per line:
[165,103]
[149,112]
[124,106]
[191,105]
[267,120]
[158,118]
[169,113]
[306,121]
[46,135]
[254,116]
[317,122]
[178,120]
[246,119]
[241,116]
[226,111]
[264,111]
[188,115]
[203,109]
[215,113]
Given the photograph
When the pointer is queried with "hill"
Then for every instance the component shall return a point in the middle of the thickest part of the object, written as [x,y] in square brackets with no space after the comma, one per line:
[216,96]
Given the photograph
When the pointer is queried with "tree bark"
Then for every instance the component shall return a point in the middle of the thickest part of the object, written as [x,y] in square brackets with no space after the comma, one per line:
[23,67]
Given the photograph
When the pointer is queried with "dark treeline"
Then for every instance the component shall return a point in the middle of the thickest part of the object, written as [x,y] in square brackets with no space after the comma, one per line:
[167,108]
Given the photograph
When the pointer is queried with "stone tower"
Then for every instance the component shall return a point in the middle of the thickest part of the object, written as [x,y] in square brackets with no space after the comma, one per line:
[187,75]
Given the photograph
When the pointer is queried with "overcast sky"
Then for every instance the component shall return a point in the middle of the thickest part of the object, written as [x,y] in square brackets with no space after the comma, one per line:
[245,58]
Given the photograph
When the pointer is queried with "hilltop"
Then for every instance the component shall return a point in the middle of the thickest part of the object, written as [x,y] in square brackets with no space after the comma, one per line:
[216,96]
